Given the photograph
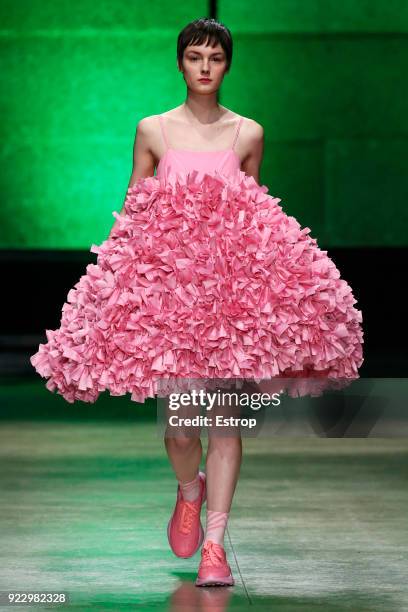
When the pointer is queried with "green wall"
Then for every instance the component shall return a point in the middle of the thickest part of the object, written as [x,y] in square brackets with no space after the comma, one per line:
[326,80]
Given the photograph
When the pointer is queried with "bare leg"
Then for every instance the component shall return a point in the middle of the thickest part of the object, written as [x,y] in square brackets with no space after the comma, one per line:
[223,464]
[223,461]
[183,444]
[185,456]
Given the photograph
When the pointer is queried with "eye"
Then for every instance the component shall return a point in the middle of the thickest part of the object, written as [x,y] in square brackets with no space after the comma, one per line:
[216,59]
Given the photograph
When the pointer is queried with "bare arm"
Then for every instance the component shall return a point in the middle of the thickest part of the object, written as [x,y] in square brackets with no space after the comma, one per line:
[252,162]
[143,158]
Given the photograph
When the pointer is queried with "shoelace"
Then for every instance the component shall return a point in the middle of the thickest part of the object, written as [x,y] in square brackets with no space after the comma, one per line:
[188,514]
[212,554]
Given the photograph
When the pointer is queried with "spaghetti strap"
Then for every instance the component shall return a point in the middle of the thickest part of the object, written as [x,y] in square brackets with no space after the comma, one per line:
[161,120]
[237,132]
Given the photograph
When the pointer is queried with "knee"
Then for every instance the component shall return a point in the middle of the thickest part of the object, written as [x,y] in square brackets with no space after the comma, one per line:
[182,443]
[225,445]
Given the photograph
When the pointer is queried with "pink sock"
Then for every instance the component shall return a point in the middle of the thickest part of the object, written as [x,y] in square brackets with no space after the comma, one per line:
[216,524]
[190,490]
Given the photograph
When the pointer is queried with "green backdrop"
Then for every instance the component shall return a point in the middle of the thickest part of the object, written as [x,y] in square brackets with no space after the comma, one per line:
[325,79]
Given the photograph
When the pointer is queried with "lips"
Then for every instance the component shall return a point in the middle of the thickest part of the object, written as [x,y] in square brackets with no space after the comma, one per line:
[205,80]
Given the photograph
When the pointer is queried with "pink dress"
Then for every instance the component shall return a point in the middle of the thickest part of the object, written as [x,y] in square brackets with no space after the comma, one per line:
[206,277]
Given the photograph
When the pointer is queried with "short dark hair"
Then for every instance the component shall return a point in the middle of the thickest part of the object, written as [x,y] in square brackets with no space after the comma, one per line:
[197,32]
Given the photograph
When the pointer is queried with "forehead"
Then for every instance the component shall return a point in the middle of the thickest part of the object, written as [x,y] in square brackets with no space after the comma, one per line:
[205,48]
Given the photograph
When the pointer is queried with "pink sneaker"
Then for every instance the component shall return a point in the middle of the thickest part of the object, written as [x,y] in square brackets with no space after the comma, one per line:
[214,569]
[184,530]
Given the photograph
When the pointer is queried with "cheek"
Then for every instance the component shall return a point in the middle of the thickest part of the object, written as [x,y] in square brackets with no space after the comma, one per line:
[188,72]
[219,71]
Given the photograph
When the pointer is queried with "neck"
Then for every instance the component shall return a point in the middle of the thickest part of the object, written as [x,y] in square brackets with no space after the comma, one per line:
[203,109]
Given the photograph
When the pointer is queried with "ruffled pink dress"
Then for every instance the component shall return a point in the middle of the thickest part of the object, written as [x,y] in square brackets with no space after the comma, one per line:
[204,277]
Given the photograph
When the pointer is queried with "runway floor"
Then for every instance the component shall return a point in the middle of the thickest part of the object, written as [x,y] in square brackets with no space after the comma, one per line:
[316,524]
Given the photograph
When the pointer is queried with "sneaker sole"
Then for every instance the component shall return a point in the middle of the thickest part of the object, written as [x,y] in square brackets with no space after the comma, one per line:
[215,581]
[201,530]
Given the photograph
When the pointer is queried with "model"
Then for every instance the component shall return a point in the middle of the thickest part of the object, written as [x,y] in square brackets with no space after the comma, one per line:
[203,275]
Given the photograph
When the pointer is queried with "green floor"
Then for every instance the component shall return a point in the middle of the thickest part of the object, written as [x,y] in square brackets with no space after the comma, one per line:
[316,524]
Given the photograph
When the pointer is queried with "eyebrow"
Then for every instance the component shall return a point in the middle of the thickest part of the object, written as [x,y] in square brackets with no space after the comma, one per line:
[215,52]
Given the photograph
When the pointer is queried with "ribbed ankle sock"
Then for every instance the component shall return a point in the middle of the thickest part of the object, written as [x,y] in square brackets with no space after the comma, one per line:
[190,490]
[216,525]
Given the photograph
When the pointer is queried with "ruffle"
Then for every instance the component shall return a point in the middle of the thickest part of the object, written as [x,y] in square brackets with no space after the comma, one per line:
[203,277]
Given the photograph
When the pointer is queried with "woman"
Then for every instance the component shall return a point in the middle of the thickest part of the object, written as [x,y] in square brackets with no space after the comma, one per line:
[203,275]
[201,125]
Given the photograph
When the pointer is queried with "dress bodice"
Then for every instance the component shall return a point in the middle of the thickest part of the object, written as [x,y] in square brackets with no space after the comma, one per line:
[179,161]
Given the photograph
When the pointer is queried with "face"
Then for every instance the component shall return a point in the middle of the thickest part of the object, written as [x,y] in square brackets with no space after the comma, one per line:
[199,62]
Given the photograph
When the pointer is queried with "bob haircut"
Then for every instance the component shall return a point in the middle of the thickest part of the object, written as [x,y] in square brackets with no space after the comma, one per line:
[197,32]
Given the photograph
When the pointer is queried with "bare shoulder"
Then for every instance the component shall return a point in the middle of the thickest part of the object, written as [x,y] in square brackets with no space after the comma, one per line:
[252,131]
[151,122]
[148,136]
[250,144]
[147,126]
